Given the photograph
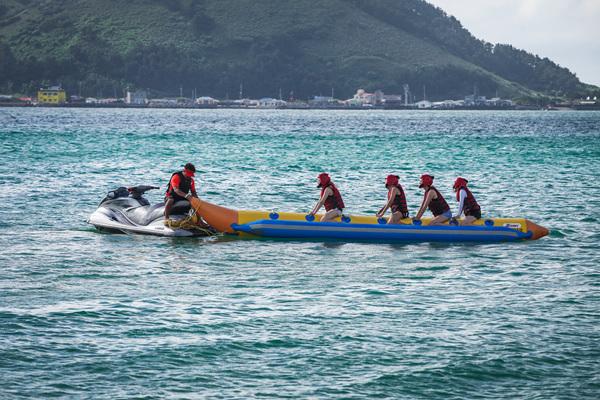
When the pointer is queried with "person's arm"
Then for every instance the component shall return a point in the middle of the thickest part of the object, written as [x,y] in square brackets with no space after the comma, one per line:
[462,196]
[193,189]
[175,181]
[425,204]
[179,192]
[328,192]
[381,212]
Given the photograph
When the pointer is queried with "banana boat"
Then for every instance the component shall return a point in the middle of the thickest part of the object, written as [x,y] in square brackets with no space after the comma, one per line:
[271,224]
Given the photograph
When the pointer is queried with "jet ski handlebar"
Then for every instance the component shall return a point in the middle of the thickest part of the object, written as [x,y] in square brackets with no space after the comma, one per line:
[138,191]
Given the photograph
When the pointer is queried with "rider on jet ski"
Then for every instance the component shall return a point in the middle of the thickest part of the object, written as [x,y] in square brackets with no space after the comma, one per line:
[181,187]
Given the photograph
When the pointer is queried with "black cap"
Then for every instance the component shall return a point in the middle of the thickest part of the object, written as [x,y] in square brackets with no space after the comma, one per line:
[190,167]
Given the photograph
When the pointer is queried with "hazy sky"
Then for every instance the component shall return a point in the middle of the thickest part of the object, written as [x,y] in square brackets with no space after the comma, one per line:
[565,31]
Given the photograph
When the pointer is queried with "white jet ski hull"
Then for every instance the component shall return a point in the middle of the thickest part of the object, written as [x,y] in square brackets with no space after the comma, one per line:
[103,222]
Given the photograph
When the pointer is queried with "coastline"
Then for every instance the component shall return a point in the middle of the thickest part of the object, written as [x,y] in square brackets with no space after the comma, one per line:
[217,107]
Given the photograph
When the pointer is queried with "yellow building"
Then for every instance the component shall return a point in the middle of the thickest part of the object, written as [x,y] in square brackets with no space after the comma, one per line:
[52,95]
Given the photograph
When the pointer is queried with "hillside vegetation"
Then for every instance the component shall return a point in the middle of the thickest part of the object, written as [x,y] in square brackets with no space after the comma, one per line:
[308,47]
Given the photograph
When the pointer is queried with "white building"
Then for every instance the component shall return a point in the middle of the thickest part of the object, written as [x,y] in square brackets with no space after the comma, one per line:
[248,103]
[362,97]
[423,104]
[139,97]
[163,102]
[268,102]
[206,101]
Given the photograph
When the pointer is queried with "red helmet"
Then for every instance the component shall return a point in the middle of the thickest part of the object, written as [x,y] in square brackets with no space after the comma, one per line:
[324,179]
[392,180]
[460,182]
[426,180]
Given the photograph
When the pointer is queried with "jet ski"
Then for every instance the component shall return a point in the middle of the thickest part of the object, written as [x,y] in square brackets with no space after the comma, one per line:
[126,210]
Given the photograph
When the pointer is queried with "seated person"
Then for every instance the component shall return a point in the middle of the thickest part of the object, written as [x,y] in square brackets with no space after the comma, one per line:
[330,198]
[466,202]
[433,200]
[396,201]
[181,187]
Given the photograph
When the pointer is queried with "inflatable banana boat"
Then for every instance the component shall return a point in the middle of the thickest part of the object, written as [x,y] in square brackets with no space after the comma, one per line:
[361,228]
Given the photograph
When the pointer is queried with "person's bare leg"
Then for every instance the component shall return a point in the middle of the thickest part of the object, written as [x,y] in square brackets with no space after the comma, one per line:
[168,205]
[468,220]
[439,220]
[396,218]
[331,215]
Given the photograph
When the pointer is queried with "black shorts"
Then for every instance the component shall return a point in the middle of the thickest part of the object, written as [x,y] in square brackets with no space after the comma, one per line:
[474,213]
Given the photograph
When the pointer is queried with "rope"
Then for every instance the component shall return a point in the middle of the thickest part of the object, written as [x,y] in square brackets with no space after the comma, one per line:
[190,223]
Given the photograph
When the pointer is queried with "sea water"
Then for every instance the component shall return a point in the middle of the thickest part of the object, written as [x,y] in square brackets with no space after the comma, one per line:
[90,315]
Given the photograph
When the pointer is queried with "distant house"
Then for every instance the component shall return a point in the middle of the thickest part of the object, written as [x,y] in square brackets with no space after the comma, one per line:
[473,100]
[324,102]
[52,95]
[167,102]
[74,99]
[423,104]
[392,98]
[139,97]
[362,97]
[268,102]
[448,104]
[498,102]
[206,101]
[246,103]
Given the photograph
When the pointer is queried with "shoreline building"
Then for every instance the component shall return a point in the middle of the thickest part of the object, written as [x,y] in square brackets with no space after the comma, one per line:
[268,102]
[52,95]
[206,101]
[138,98]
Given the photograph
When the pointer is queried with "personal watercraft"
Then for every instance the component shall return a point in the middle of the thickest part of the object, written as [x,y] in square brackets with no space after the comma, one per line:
[126,210]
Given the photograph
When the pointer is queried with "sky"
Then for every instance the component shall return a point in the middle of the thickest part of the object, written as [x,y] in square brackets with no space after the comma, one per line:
[565,31]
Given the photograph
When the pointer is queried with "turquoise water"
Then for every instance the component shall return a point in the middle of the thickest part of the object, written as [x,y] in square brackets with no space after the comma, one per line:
[90,315]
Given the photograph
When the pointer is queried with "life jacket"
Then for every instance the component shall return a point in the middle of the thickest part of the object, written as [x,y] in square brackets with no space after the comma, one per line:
[437,206]
[470,203]
[399,202]
[185,184]
[334,201]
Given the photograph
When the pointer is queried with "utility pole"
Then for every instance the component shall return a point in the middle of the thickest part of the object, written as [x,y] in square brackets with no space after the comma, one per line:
[332,96]
[241,91]
[424,93]
[280,98]
[406,93]
[180,91]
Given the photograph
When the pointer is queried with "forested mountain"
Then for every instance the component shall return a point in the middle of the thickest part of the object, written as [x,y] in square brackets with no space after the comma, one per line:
[308,47]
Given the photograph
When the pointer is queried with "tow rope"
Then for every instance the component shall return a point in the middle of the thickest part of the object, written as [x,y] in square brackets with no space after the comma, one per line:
[190,223]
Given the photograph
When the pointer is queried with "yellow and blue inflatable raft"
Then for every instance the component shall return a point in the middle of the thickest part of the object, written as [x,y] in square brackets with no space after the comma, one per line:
[273,224]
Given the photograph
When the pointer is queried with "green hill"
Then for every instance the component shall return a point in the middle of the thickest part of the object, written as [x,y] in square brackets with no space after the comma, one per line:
[307,47]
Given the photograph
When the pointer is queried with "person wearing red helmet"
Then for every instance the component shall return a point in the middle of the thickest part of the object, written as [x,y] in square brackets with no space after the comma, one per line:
[181,187]
[433,200]
[466,202]
[330,198]
[396,201]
